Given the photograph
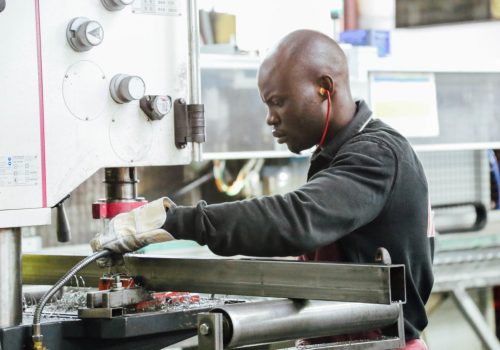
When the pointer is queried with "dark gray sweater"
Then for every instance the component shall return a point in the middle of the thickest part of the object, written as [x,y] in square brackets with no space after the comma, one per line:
[366,189]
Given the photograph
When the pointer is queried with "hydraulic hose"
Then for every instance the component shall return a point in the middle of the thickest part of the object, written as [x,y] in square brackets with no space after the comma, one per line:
[36,328]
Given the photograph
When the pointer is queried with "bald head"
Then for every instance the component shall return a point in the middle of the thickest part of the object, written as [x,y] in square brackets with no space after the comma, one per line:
[308,52]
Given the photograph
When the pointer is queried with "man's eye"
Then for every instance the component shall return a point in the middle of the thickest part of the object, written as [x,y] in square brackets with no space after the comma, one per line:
[278,102]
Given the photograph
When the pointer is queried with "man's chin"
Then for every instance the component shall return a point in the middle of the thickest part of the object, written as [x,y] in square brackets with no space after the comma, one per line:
[294,149]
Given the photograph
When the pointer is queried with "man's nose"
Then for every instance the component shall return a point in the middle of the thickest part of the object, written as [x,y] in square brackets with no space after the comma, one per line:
[271,118]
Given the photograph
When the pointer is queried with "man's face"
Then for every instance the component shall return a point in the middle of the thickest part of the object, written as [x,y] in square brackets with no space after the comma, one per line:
[294,107]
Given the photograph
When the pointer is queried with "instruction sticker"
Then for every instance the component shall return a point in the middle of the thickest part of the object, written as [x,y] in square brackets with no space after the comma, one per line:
[406,101]
[19,171]
[157,7]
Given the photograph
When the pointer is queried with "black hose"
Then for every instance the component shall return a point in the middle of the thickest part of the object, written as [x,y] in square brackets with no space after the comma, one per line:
[36,333]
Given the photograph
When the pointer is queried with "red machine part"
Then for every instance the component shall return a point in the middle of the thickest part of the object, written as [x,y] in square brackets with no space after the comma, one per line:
[108,210]
[177,297]
[170,298]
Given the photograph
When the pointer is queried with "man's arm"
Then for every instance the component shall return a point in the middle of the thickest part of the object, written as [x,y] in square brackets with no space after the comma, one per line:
[333,203]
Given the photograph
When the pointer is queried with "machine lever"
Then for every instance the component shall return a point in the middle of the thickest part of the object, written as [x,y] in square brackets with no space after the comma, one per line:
[63,227]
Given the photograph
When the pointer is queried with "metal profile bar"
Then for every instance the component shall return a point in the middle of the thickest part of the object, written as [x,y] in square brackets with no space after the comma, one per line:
[367,283]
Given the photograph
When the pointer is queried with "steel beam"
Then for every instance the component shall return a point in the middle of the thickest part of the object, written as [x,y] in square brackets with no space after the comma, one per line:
[368,283]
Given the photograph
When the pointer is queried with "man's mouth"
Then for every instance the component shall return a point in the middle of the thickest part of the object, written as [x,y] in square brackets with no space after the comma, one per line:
[279,135]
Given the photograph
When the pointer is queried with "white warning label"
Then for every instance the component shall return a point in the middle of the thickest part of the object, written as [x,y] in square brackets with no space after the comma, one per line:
[19,171]
[157,7]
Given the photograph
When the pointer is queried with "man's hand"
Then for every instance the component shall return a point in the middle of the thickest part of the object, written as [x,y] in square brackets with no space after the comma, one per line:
[130,231]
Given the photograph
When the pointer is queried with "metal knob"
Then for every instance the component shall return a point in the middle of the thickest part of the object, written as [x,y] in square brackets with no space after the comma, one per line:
[116,5]
[125,88]
[83,34]
[156,107]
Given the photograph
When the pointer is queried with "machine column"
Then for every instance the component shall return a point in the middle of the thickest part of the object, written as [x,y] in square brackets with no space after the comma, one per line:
[10,280]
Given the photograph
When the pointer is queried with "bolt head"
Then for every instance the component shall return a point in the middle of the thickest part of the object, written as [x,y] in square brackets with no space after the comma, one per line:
[204,329]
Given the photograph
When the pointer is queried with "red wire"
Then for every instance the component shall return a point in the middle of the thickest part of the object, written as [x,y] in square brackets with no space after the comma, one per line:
[327,123]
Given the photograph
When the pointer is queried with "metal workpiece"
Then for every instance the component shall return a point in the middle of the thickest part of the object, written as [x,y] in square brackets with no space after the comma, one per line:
[276,320]
[10,281]
[370,283]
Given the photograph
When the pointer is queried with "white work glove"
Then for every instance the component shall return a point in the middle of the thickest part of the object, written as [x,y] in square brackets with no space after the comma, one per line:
[130,231]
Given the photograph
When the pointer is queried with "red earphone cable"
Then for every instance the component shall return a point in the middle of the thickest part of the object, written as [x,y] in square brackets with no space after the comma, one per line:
[327,123]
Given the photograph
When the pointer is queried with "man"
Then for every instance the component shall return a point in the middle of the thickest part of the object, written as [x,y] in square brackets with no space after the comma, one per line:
[366,187]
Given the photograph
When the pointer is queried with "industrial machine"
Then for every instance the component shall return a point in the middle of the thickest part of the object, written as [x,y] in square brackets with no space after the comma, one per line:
[87,85]
[115,84]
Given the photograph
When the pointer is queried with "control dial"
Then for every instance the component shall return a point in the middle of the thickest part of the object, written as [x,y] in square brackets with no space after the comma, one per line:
[83,34]
[116,5]
[125,88]
[156,107]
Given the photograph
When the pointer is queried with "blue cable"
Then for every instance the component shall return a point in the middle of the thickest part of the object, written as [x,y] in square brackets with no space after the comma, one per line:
[492,158]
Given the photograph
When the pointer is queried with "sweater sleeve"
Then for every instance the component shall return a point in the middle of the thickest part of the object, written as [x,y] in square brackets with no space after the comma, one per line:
[337,200]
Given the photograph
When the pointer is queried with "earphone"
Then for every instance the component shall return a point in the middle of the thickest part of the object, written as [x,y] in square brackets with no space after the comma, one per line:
[322,92]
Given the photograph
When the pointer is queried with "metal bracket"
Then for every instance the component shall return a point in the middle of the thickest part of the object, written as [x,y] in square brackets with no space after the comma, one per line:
[210,331]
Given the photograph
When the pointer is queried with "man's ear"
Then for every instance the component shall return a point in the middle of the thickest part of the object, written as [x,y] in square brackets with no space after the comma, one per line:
[325,82]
